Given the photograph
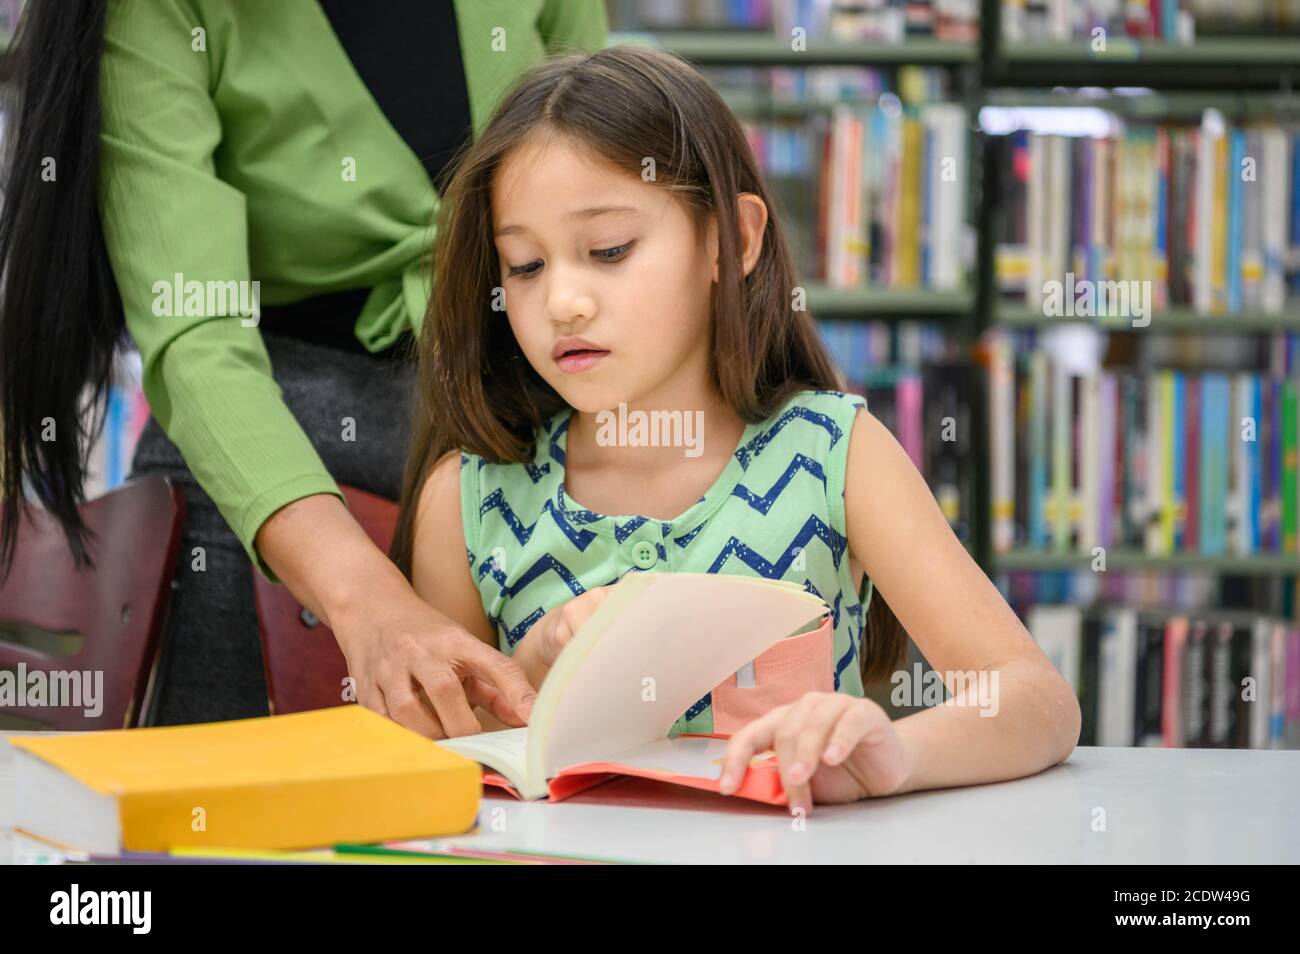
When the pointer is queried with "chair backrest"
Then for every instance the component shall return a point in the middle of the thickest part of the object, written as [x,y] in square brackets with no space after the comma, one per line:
[305,669]
[118,609]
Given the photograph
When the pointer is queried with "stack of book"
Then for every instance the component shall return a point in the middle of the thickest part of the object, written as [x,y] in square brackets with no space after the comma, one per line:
[1206,680]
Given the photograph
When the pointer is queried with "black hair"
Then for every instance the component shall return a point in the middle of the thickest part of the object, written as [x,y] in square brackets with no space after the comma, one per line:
[61,316]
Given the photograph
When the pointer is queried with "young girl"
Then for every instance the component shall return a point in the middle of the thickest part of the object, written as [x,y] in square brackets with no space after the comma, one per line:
[607,244]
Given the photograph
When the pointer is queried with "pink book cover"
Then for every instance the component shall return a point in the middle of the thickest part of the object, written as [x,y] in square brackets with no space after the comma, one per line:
[909,396]
[762,783]
[1293,679]
[1170,706]
[781,674]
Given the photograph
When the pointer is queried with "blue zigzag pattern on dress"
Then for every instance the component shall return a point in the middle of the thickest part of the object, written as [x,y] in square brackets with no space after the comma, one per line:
[632,526]
[764,503]
[497,501]
[813,527]
[490,566]
[843,662]
[555,450]
[684,541]
[519,632]
[700,706]
[755,446]
[544,564]
[535,473]
[835,606]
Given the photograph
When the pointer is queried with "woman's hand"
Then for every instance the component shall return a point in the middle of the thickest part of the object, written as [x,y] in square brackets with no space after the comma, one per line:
[419,668]
[542,644]
[407,660]
[830,747]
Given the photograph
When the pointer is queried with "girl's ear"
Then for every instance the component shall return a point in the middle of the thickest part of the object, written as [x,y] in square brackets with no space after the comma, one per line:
[751,219]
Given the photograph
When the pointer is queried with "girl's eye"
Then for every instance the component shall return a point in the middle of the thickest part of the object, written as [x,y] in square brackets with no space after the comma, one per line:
[525,270]
[612,254]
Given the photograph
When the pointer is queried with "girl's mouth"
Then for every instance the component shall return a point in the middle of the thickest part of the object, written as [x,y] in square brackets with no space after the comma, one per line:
[577,360]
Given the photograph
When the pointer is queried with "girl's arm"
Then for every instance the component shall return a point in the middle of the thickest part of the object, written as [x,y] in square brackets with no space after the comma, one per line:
[440,573]
[961,624]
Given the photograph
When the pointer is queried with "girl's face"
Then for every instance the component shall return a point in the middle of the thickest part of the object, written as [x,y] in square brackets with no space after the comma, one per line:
[607,283]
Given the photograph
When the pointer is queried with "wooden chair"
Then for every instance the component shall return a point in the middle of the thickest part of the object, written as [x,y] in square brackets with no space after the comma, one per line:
[305,669]
[118,610]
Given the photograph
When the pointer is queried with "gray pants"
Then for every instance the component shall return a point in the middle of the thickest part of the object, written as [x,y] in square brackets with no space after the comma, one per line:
[211,664]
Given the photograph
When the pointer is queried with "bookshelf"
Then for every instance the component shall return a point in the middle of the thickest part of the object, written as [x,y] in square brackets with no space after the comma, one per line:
[1231,63]
[754,48]
[1243,77]
[1135,81]
[1170,319]
[887,303]
[1119,560]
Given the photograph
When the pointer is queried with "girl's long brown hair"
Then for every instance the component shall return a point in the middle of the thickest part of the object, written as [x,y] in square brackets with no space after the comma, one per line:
[627,104]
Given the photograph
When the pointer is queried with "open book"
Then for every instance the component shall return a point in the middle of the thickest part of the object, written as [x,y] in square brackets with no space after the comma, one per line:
[654,647]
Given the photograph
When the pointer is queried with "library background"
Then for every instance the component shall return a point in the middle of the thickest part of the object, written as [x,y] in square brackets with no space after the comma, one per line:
[1057,246]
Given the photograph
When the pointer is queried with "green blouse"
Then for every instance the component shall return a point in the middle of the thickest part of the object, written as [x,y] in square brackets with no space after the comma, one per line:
[239,144]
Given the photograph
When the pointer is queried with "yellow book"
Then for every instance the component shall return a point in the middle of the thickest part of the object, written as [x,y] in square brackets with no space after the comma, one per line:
[907,247]
[1169,512]
[304,780]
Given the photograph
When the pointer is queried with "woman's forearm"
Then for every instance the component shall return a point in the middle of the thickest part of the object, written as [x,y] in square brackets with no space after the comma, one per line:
[319,551]
[1032,724]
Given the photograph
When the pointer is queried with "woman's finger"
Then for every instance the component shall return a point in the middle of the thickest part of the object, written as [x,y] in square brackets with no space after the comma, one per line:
[516,694]
[372,698]
[405,707]
[488,697]
[446,695]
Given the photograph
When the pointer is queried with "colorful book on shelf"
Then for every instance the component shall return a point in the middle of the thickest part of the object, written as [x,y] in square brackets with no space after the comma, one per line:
[654,647]
[1167,460]
[1154,678]
[1204,215]
[302,780]
[1290,455]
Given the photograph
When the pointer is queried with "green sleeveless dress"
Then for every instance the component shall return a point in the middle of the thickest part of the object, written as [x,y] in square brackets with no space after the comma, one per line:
[776,511]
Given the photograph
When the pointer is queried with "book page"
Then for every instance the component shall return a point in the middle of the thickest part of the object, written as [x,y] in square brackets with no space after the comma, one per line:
[685,755]
[504,751]
[623,683]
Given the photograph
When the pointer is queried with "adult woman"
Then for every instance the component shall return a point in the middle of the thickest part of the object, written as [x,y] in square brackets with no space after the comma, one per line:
[288,152]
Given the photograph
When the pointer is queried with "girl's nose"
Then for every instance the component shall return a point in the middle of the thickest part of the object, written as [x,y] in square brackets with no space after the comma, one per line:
[568,301]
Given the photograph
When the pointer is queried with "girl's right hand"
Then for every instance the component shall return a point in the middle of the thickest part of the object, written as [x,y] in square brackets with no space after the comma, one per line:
[546,638]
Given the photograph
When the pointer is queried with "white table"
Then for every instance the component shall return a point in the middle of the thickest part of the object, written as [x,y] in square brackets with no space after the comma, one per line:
[1160,805]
